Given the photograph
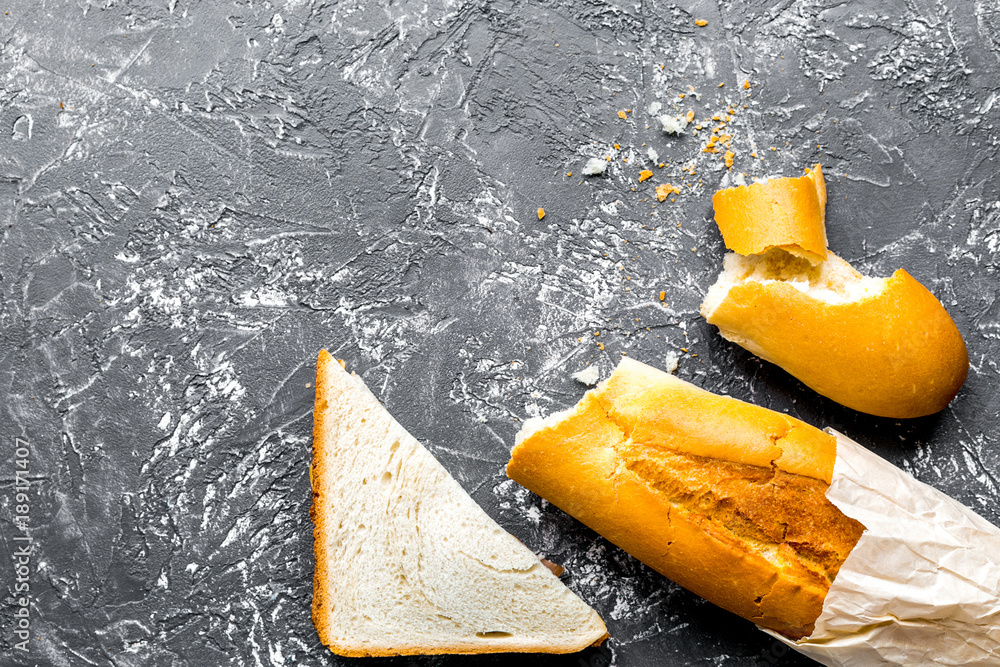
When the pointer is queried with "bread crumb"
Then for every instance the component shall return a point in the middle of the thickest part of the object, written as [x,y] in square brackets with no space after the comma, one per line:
[746,85]
[721,84]
[701,23]
[622,115]
[673,124]
[645,174]
[671,362]
[729,159]
[541,213]
[663,295]
[663,191]
[595,166]
[588,376]
[569,173]
[690,115]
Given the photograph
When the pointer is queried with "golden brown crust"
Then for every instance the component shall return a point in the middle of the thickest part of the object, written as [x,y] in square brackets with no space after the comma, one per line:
[895,354]
[315,472]
[652,405]
[786,213]
[699,508]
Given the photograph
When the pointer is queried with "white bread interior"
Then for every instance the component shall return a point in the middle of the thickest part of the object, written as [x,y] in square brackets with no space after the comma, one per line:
[410,563]
[833,281]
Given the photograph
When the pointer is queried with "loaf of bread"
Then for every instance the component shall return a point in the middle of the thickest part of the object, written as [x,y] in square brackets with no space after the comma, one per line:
[725,498]
[884,346]
[406,562]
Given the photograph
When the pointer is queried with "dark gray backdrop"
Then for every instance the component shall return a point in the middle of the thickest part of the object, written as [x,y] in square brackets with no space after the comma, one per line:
[196,197]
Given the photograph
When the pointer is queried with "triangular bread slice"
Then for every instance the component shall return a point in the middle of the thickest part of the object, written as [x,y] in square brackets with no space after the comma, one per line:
[406,562]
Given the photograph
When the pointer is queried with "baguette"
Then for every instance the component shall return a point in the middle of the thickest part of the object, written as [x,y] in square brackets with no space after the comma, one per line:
[406,562]
[884,346]
[725,498]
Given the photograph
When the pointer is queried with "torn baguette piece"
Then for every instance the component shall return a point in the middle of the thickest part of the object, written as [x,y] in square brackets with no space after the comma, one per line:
[785,213]
[884,346]
[406,562]
[725,498]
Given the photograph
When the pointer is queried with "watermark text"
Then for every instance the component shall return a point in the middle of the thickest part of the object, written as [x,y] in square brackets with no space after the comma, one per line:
[22,544]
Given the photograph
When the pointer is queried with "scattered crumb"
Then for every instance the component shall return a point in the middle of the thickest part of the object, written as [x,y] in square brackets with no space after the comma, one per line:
[654,108]
[746,85]
[588,376]
[645,174]
[663,191]
[729,159]
[622,115]
[701,23]
[673,124]
[663,295]
[721,84]
[595,167]
[652,154]
[671,362]
[541,213]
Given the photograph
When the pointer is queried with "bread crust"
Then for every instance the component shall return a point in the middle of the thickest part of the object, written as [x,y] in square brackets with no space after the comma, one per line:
[581,462]
[327,370]
[893,354]
[321,574]
[786,213]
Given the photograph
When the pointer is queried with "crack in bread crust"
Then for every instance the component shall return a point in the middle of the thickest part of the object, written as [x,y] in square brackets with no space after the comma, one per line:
[750,503]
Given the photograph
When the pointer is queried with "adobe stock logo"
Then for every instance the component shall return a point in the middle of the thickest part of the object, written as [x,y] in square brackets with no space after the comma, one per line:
[23,543]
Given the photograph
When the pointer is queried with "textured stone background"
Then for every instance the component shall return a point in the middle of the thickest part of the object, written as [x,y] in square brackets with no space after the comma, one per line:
[196,197]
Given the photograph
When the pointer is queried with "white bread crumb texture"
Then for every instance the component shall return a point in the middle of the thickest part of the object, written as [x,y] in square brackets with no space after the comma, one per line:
[412,561]
[833,281]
